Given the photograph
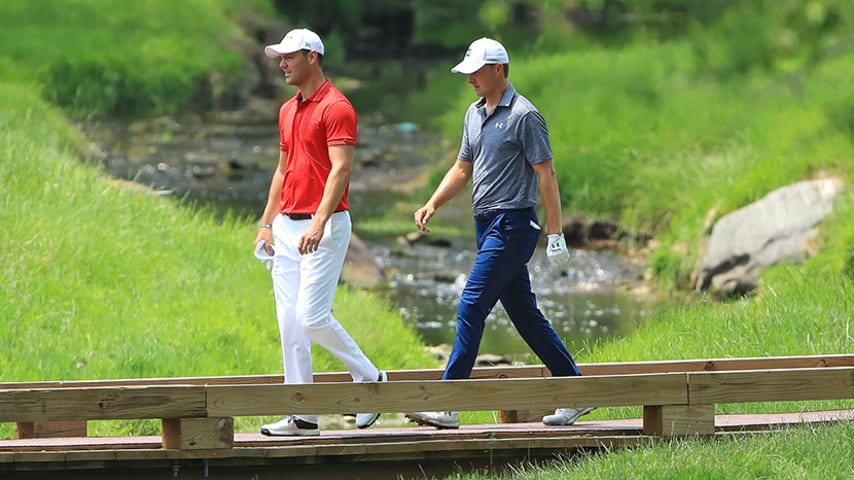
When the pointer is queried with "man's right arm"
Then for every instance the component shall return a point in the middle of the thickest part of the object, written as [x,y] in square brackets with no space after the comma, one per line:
[454,181]
[265,233]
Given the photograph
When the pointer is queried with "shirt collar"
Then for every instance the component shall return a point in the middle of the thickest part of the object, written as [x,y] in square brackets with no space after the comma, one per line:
[506,97]
[318,94]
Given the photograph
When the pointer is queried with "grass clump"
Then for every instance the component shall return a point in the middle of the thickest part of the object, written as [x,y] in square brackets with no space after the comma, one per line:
[100,57]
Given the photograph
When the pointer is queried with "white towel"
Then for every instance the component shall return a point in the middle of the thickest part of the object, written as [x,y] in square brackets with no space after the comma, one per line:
[264,254]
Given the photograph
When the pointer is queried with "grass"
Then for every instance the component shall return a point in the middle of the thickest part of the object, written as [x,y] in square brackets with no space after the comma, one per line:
[797,453]
[97,57]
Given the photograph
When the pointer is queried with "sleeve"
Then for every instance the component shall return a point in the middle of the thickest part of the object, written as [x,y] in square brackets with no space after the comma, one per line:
[466,153]
[341,124]
[534,136]
[283,143]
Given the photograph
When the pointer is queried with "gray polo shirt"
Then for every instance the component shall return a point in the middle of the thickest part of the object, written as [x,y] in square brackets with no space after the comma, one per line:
[502,146]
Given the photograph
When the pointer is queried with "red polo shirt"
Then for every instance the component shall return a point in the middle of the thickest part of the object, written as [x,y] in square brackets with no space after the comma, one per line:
[307,128]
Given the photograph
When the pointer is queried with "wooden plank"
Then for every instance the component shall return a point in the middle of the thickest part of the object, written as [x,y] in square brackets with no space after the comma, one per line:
[406,396]
[24,457]
[89,456]
[327,377]
[81,443]
[198,433]
[771,386]
[456,447]
[101,403]
[531,371]
[718,365]
[446,449]
[75,428]
[376,444]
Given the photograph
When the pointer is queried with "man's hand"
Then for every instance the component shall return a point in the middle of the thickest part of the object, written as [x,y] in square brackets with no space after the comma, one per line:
[265,252]
[422,216]
[556,250]
[309,242]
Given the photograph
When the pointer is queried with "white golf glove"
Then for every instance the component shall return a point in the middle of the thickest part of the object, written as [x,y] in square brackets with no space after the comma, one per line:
[264,254]
[556,250]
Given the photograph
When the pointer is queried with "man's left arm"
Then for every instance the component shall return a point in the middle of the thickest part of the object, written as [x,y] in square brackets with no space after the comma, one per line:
[549,195]
[556,251]
[341,158]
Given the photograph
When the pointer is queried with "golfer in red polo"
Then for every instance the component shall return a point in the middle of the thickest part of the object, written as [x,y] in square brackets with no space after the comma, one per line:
[307,220]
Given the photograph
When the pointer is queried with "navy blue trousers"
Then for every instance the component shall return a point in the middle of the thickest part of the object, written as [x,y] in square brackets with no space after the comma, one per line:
[506,240]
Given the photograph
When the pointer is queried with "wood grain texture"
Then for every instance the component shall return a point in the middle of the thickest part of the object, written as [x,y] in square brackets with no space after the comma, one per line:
[531,371]
[408,396]
[198,433]
[101,403]
[771,385]
[679,420]
[57,429]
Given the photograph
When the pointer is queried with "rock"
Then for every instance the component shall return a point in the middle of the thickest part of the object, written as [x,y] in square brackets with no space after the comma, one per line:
[360,266]
[777,228]
[415,237]
[491,360]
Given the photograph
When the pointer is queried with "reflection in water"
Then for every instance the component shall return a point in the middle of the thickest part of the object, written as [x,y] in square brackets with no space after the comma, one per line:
[582,301]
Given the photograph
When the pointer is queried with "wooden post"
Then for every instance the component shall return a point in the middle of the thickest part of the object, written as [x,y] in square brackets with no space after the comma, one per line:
[508,416]
[198,433]
[679,420]
[56,429]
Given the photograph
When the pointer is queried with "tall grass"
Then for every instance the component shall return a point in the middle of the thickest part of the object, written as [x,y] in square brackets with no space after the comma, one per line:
[798,453]
[96,57]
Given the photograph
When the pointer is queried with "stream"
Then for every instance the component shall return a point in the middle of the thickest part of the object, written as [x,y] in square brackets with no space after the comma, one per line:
[225,161]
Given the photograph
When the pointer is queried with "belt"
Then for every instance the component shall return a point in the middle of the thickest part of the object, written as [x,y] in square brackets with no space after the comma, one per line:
[304,216]
[487,215]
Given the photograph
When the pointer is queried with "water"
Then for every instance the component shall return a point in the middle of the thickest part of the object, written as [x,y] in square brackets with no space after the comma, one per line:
[584,300]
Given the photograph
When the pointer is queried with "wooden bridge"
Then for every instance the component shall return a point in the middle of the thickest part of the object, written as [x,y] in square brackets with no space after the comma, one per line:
[197,416]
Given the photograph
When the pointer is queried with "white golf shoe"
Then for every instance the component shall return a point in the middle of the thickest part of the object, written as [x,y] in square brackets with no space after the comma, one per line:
[290,426]
[566,416]
[436,419]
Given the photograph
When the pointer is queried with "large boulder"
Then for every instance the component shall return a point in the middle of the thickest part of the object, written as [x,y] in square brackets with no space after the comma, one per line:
[776,228]
[361,268]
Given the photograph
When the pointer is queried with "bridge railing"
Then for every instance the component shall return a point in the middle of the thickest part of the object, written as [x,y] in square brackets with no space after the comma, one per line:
[678,397]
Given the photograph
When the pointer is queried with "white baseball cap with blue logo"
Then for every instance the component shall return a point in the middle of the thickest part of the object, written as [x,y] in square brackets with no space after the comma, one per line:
[482,51]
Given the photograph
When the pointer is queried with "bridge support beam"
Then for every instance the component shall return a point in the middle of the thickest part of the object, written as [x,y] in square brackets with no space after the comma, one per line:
[198,433]
[679,420]
[55,429]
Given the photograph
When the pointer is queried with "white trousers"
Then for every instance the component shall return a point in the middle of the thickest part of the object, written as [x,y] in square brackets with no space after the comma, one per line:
[304,287]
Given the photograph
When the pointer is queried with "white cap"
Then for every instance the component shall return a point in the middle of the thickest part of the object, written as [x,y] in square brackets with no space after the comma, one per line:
[296,40]
[481,52]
